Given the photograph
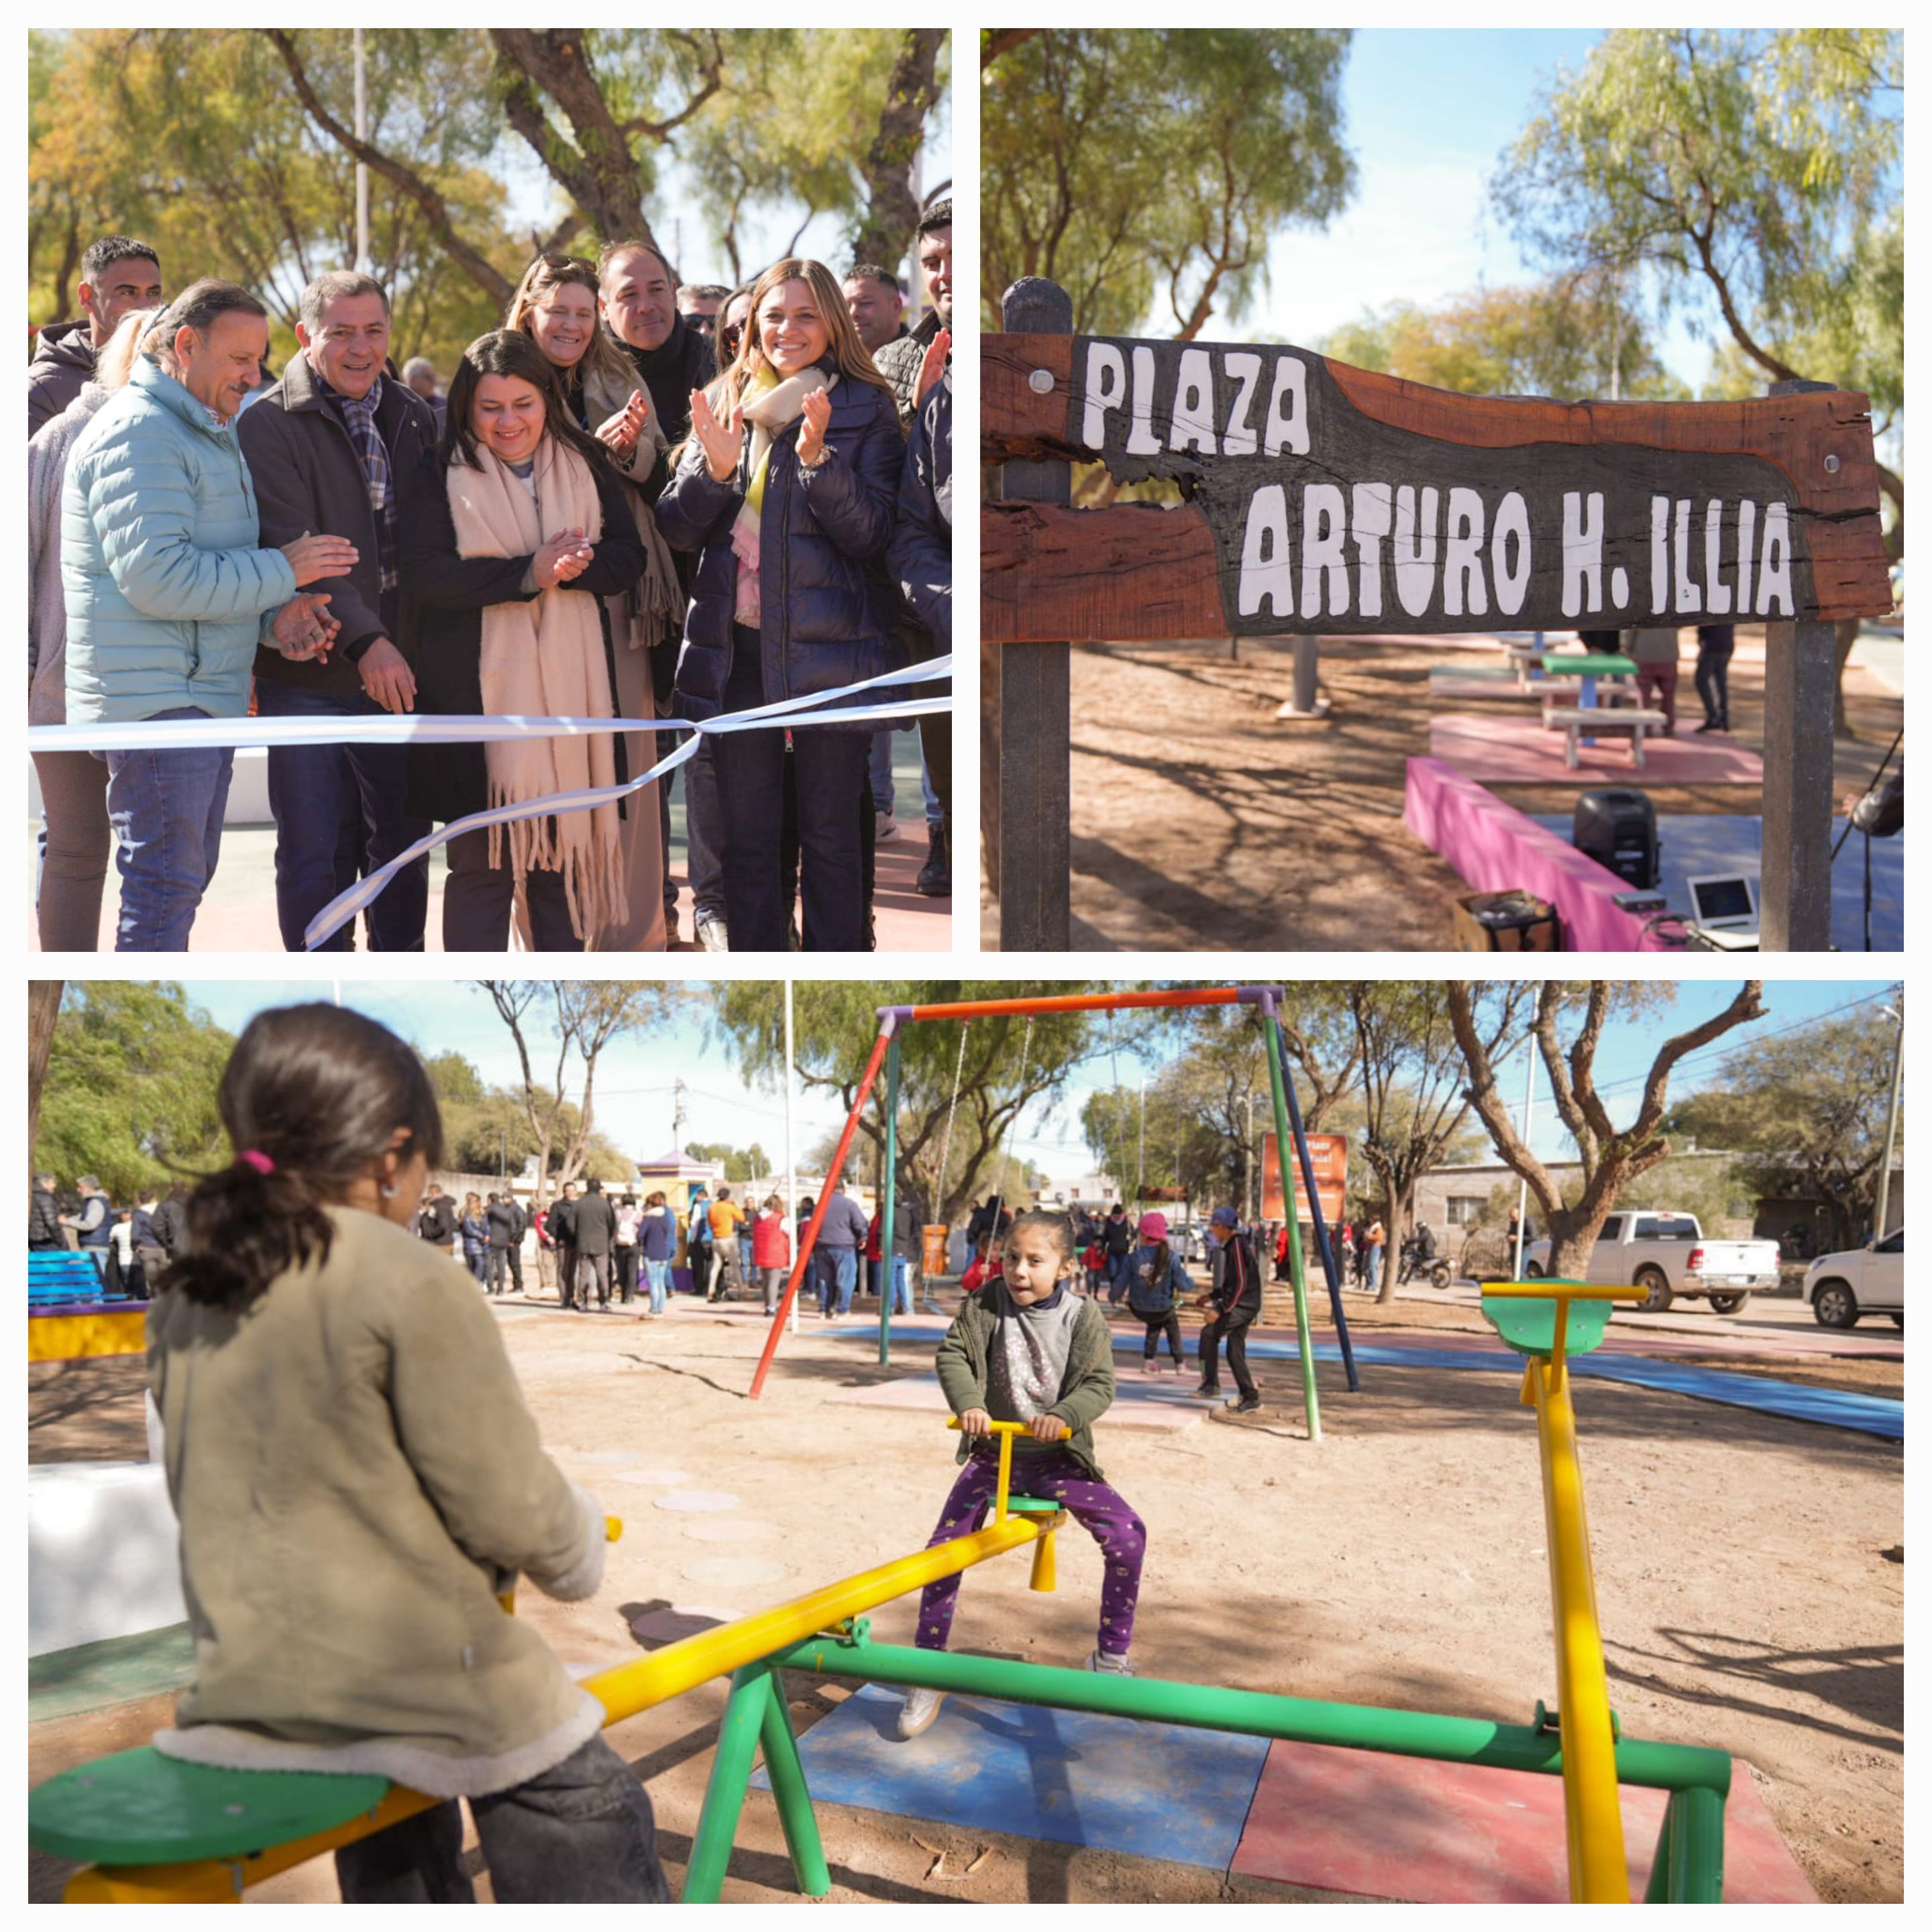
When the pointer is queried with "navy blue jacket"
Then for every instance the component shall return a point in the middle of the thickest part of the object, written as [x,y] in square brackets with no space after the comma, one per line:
[829,612]
[921,556]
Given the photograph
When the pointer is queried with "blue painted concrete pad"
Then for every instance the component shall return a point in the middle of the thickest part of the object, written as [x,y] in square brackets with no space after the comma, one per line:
[1159,1791]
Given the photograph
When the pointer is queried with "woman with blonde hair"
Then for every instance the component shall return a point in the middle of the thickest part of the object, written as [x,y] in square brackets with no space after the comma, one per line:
[558,305]
[786,489]
[511,537]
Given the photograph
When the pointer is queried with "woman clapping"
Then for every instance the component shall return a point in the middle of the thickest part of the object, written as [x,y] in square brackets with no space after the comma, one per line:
[786,490]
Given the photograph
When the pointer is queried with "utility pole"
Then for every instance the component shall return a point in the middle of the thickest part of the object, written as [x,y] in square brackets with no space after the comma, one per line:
[363,265]
[1891,1120]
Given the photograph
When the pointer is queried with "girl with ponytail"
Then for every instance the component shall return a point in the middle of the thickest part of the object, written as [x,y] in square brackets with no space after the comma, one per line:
[357,1479]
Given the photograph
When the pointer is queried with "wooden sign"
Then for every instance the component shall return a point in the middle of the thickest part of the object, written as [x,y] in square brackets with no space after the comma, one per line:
[1323,499]
[1329,1153]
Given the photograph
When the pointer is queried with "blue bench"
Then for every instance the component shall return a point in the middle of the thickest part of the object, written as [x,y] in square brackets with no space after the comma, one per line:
[61,1277]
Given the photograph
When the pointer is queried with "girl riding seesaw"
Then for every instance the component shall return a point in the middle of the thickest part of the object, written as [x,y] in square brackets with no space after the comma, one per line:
[1027,1349]
[357,1479]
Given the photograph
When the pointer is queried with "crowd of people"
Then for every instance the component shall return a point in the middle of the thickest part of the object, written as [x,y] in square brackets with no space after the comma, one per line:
[636,499]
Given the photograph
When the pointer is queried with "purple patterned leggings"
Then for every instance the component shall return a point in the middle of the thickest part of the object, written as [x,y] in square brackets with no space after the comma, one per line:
[1105,1517]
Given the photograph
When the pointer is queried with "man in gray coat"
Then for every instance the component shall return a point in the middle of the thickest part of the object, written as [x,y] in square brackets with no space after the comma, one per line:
[841,1236]
[596,1236]
[327,448]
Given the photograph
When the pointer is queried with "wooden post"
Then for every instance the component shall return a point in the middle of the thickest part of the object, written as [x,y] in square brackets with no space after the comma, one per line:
[1032,780]
[1800,681]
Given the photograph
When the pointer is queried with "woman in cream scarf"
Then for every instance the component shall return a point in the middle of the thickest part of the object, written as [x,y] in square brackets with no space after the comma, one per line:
[509,546]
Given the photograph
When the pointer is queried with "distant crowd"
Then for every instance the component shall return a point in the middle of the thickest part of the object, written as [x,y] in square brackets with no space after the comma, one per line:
[636,499]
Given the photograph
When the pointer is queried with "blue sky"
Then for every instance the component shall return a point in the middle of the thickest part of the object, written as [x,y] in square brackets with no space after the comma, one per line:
[1429,112]
[634,1099]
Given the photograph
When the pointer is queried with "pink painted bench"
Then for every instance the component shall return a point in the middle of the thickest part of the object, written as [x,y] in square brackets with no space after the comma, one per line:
[1495,847]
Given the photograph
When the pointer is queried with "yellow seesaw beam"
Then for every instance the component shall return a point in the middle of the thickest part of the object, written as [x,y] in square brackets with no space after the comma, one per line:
[1593,1816]
[623,1690]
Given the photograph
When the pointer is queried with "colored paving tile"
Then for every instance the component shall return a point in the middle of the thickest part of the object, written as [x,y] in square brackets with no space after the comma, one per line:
[117,1670]
[1386,1827]
[698,1501]
[1160,1791]
[1495,750]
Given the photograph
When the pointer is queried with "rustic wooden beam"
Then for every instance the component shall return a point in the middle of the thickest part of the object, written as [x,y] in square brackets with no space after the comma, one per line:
[1813,449]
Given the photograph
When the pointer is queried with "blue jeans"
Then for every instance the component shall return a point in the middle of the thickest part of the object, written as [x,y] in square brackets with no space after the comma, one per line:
[579,1833]
[166,808]
[312,789]
[657,1278]
[838,1274]
[935,813]
[1374,1268]
[879,772]
[901,1287]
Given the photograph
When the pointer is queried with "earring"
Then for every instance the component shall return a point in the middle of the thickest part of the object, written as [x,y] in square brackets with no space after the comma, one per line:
[388,1189]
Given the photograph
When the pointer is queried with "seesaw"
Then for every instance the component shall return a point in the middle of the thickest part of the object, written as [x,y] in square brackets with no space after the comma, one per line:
[154,1830]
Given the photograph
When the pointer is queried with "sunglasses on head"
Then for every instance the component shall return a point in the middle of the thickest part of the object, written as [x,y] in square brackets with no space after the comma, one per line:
[730,335]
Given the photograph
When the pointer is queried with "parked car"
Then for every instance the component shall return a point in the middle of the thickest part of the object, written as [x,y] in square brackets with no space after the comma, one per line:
[1869,1280]
[1668,1256]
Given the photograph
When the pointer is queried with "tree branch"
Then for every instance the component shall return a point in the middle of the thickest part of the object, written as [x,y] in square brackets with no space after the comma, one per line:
[477,266]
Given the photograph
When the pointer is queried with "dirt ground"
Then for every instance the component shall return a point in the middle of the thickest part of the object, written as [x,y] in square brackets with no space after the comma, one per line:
[1200,823]
[1747,1598]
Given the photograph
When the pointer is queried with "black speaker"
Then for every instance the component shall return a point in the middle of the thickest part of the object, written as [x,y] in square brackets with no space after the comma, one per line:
[1618,828]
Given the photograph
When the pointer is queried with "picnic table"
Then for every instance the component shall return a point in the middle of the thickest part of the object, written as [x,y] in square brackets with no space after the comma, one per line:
[1574,721]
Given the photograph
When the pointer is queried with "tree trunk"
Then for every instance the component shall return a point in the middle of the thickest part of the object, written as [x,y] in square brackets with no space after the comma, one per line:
[43,999]
[891,211]
[1398,1204]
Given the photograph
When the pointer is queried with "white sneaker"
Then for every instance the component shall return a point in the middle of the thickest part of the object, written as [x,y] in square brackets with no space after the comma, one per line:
[884,826]
[712,937]
[1116,1666]
[921,1708]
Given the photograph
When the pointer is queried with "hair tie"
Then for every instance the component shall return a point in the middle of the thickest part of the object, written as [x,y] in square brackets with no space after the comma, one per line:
[255,1158]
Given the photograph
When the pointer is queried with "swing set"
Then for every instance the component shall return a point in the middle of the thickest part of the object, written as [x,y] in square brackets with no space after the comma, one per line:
[1266,1001]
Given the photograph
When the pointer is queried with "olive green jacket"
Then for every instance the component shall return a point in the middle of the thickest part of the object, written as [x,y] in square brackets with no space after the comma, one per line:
[1086,1394]
[357,1477]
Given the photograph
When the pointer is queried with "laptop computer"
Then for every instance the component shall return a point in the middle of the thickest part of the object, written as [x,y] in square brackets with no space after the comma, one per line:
[1724,909]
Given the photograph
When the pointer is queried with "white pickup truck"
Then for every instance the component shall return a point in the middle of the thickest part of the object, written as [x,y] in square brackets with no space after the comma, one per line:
[1668,1255]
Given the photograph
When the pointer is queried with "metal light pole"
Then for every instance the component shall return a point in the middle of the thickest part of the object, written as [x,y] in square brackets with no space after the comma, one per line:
[363,265]
[1522,1186]
[1891,1122]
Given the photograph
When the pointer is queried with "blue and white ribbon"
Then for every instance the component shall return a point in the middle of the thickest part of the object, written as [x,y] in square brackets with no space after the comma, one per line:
[250,734]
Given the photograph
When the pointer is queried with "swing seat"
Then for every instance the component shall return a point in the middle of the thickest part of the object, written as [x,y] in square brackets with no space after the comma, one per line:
[1033,1506]
[139,1808]
[1528,1324]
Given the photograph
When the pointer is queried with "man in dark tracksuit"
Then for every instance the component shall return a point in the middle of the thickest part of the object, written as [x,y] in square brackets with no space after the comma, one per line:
[513,1250]
[561,1228]
[1236,1299]
[498,1213]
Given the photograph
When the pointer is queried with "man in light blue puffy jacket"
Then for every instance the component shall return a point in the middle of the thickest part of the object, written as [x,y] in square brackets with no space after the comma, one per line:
[167,594]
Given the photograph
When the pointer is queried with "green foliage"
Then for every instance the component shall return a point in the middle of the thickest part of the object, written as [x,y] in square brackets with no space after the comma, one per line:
[130,1088]
[751,1163]
[1563,337]
[193,139]
[1806,1111]
[1752,176]
[1149,169]
[835,1024]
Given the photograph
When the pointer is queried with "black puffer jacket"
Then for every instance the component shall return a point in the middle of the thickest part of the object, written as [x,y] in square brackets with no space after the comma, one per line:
[828,611]
[43,1227]
[443,617]
[921,555]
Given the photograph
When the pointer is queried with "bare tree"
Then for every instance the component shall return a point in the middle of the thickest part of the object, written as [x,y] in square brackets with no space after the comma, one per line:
[1412,1082]
[586,1016]
[1611,1156]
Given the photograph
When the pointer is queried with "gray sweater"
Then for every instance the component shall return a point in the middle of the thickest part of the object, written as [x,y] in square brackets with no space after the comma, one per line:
[46,605]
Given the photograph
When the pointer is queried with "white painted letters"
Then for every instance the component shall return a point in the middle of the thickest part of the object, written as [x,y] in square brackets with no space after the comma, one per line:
[1245,368]
[1266,570]
[1512,582]
[1369,511]
[1717,592]
[1414,550]
[1324,525]
[1774,569]
[1462,557]
[1194,404]
[1582,552]
[1106,389]
[1287,409]
[1141,440]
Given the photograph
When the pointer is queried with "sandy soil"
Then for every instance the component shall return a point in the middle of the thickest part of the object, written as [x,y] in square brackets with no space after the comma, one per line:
[1200,823]
[1747,1598]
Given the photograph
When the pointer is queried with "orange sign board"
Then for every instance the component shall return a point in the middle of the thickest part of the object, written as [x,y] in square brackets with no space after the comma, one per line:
[1329,1154]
